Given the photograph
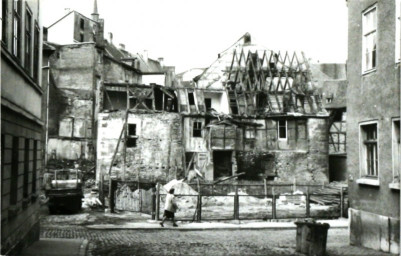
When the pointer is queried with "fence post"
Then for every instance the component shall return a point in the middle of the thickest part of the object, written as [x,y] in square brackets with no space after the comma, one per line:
[307,203]
[199,208]
[101,192]
[112,195]
[274,216]
[341,202]
[265,183]
[236,204]
[157,201]
[153,203]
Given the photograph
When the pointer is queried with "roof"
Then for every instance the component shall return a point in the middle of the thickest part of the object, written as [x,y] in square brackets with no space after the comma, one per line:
[73,11]
[337,89]
[283,77]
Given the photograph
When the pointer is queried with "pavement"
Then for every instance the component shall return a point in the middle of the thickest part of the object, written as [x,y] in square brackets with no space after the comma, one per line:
[232,225]
[57,246]
[79,247]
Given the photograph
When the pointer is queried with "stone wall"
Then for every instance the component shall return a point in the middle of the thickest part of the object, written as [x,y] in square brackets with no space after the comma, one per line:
[158,154]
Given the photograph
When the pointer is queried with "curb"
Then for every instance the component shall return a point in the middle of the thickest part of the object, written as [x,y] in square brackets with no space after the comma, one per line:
[83,249]
[156,228]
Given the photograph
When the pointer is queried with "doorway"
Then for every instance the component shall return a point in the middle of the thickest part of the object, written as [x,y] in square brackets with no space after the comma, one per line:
[222,164]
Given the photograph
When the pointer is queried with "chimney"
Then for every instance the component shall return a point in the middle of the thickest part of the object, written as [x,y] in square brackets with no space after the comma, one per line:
[111,37]
[95,14]
[161,61]
[247,38]
[122,46]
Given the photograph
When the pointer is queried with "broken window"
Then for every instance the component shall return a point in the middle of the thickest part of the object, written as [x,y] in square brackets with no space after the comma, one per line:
[369,160]
[132,137]
[369,25]
[82,23]
[208,103]
[282,129]
[191,98]
[197,129]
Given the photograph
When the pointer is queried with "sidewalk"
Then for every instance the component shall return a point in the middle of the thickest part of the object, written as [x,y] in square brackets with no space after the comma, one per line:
[154,225]
[57,246]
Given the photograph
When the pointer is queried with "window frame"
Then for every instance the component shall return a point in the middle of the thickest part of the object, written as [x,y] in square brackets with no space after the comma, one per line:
[4,22]
[397,55]
[131,138]
[394,134]
[197,129]
[363,151]
[28,39]
[278,130]
[16,29]
[36,51]
[365,34]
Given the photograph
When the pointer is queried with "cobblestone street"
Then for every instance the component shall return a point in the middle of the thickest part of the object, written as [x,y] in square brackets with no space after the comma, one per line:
[215,242]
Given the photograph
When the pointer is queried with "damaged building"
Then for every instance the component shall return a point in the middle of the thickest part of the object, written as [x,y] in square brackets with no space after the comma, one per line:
[88,75]
[253,111]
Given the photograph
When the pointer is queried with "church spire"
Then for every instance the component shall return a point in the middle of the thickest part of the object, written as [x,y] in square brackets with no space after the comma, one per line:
[95,14]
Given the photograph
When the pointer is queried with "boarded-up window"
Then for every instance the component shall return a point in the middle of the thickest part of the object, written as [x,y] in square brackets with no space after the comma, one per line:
[66,127]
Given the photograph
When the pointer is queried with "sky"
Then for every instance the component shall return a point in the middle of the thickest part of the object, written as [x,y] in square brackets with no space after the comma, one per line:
[190,33]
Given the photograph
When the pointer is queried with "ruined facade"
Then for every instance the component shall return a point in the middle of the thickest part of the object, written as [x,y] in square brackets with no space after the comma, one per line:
[258,114]
[21,124]
[90,78]
[332,86]
[373,123]
[253,112]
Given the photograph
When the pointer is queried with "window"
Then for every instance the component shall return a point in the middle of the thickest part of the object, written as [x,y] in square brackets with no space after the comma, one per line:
[197,129]
[250,134]
[16,28]
[329,100]
[4,18]
[26,168]
[282,129]
[36,53]
[396,149]
[28,40]
[34,169]
[82,24]
[81,36]
[397,30]
[14,171]
[132,137]
[368,150]
[191,98]
[369,25]
[208,103]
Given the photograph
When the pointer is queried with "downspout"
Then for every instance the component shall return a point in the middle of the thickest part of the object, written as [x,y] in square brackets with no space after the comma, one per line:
[47,110]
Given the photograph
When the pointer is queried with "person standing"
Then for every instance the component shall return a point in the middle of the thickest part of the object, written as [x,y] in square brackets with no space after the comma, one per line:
[170,208]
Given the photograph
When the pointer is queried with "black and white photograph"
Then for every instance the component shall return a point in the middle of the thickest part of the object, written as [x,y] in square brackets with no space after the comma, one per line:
[200,127]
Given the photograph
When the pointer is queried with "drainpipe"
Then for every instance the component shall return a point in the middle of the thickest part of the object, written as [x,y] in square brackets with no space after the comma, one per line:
[47,110]
[400,115]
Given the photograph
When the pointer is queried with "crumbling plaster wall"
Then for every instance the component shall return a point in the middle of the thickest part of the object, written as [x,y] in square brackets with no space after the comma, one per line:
[116,72]
[73,74]
[158,155]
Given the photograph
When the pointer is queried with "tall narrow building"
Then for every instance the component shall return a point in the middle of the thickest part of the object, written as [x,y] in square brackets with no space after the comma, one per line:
[21,124]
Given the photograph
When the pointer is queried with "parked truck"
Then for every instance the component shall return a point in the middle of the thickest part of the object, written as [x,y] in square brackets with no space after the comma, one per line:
[64,189]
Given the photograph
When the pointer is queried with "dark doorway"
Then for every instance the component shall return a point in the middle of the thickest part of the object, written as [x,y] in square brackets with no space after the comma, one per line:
[222,164]
[337,168]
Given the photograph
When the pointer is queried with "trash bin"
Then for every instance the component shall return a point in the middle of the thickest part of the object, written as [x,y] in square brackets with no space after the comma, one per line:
[311,237]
